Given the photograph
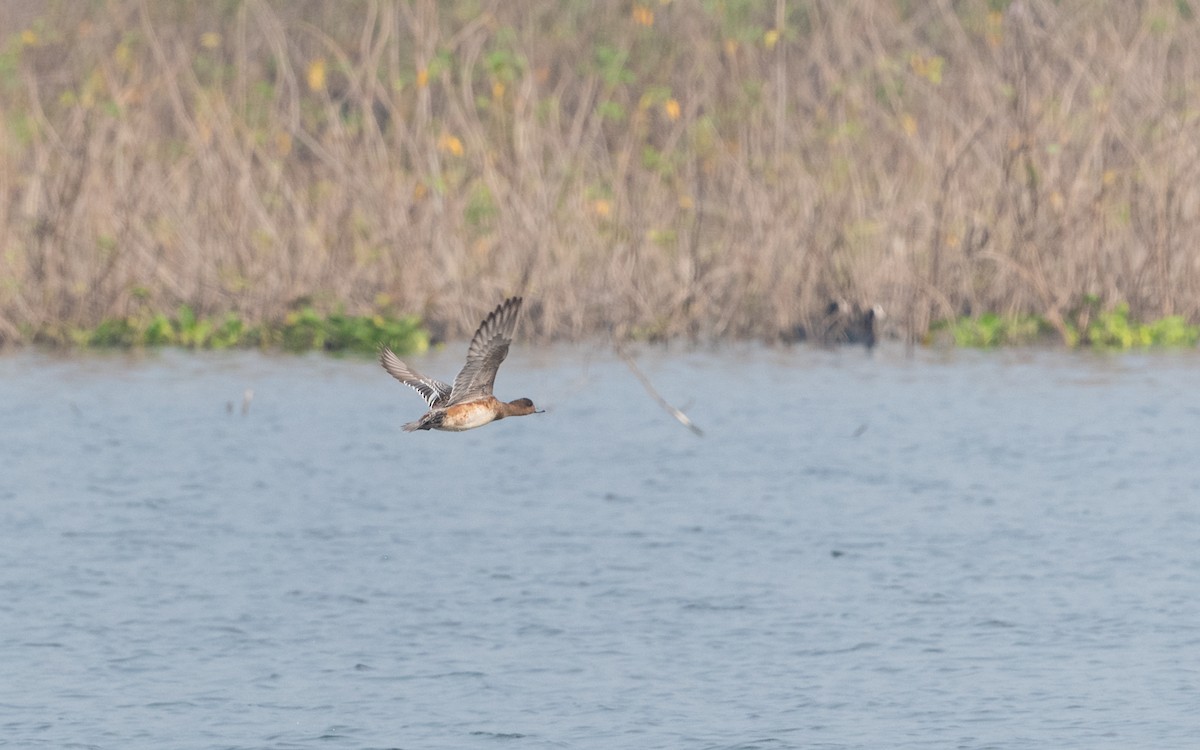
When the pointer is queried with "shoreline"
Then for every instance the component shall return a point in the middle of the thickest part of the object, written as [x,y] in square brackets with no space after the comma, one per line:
[307,331]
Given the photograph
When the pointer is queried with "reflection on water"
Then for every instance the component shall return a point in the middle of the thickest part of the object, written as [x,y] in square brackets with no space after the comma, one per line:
[962,549]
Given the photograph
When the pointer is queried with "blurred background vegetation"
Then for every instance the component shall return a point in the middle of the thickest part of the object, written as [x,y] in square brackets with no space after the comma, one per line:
[229,171]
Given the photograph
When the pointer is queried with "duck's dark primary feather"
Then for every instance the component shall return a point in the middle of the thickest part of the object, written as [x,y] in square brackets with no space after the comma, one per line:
[488,349]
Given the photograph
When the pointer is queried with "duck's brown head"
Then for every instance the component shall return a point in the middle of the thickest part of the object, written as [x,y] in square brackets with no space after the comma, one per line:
[521,407]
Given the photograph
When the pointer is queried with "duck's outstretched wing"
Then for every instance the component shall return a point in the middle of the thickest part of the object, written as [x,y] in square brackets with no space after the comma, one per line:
[434,391]
[488,349]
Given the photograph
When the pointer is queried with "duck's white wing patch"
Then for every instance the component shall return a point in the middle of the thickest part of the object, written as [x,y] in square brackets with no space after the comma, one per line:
[434,391]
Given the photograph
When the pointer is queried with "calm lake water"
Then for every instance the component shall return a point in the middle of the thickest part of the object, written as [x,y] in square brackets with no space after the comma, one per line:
[964,549]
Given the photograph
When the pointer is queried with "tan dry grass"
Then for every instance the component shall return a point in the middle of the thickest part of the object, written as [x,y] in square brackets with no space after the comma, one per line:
[656,169]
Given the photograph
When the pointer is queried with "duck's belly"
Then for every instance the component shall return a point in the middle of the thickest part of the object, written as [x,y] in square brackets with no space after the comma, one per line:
[467,417]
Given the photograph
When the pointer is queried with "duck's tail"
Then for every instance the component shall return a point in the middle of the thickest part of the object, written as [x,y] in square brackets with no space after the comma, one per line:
[427,422]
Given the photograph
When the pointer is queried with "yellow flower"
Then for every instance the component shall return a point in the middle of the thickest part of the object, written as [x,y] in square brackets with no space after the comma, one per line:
[995,28]
[448,144]
[422,78]
[929,68]
[210,40]
[643,15]
[771,38]
[316,75]
[123,54]
[671,109]
[601,208]
[29,37]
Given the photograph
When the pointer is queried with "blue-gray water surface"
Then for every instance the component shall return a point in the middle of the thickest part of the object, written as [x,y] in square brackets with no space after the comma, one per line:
[951,549]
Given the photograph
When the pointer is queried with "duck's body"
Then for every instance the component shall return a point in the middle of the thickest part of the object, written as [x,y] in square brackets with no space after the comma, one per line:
[471,414]
[469,403]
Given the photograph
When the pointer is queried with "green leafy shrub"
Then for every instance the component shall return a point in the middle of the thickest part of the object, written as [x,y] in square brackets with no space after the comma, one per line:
[1111,329]
[1114,330]
[989,330]
[302,330]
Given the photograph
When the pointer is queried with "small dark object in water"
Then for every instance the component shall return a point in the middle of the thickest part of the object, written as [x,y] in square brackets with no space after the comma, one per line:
[842,323]
[850,324]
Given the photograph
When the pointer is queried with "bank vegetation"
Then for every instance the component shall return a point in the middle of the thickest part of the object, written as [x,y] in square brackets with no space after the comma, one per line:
[646,169]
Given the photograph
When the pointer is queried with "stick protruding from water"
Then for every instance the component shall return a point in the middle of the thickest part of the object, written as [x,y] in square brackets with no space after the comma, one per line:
[684,419]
